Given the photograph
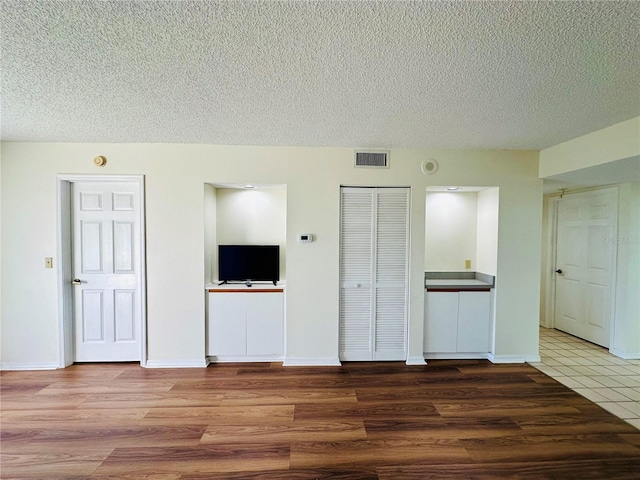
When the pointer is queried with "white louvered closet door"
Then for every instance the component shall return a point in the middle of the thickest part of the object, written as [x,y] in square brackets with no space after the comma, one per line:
[374,273]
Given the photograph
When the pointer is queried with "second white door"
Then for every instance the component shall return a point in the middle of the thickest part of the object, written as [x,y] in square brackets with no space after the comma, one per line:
[585,264]
[107,271]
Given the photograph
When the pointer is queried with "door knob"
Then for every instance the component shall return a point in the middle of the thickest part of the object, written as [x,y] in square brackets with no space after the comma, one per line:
[76,281]
[559,271]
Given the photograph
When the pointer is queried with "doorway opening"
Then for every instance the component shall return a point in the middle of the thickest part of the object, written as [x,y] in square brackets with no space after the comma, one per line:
[112,245]
[581,278]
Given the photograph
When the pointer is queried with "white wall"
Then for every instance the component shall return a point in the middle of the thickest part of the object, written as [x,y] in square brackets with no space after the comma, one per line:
[253,217]
[210,237]
[450,231]
[487,245]
[609,144]
[175,230]
[626,324]
[0,257]
[546,264]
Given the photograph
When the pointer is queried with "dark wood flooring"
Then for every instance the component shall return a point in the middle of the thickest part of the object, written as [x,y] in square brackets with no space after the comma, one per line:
[386,421]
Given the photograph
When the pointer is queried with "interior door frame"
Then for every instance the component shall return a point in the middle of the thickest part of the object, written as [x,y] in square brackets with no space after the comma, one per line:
[65,256]
[552,242]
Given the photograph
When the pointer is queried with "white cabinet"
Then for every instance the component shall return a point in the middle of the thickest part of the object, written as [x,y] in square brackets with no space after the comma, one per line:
[265,325]
[227,324]
[457,322]
[245,325]
[474,313]
[441,326]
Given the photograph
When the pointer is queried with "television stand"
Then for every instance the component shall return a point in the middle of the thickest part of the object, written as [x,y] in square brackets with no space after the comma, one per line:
[245,324]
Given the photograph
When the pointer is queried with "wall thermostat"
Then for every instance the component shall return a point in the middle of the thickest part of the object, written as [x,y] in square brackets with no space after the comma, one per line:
[306,238]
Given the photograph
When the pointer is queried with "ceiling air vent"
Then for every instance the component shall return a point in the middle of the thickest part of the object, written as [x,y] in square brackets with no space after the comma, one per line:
[376,159]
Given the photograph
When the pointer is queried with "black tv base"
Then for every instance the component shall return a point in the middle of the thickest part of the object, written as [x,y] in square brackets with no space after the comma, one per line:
[248,283]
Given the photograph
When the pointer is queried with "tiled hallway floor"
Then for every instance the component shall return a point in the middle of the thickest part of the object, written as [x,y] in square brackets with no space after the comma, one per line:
[609,381]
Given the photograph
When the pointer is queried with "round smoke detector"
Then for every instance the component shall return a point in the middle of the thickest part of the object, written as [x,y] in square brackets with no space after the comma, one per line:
[429,166]
[100,161]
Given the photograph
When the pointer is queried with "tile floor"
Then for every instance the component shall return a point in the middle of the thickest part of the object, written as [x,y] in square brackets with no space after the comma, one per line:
[609,381]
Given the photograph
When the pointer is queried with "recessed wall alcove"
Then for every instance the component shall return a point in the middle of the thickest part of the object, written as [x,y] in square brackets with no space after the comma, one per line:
[461,225]
[461,253]
[237,214]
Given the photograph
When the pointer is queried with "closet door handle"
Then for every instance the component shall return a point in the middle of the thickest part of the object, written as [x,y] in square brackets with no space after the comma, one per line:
[559,271]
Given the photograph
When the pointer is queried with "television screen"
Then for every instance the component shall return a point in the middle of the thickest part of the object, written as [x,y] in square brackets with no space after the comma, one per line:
[242,263]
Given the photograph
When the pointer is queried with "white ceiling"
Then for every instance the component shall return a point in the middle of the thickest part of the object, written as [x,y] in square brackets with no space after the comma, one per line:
[508,75]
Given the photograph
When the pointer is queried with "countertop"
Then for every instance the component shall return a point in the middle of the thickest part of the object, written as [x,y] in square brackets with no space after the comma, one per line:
[458,281]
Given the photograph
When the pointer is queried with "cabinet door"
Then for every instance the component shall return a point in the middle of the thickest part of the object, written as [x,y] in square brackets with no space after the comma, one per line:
[265,323]
[441,315]
[473,321]
[227,324]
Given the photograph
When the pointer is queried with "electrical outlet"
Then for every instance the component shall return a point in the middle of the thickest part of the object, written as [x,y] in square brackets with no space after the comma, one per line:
[467,264]
[48,262]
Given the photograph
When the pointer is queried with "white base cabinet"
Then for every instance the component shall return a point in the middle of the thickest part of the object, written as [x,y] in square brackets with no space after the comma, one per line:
[245,326]
[457,322]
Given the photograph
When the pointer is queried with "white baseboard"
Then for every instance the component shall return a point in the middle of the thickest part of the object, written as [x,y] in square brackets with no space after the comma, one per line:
[624,355]
[29,366]
[514,358]
[456,356]
[193,363]
[245,358]
[416,361]
[311,362]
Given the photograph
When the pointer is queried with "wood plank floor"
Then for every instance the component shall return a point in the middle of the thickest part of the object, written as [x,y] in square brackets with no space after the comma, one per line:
[385,421]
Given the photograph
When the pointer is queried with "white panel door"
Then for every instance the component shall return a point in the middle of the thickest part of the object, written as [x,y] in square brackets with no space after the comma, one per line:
[373,273]
[585,264]
[106,271]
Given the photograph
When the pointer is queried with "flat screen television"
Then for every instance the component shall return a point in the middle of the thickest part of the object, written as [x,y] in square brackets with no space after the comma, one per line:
[248,263]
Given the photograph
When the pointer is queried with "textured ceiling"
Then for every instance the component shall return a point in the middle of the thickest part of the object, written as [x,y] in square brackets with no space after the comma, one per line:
[509,74]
